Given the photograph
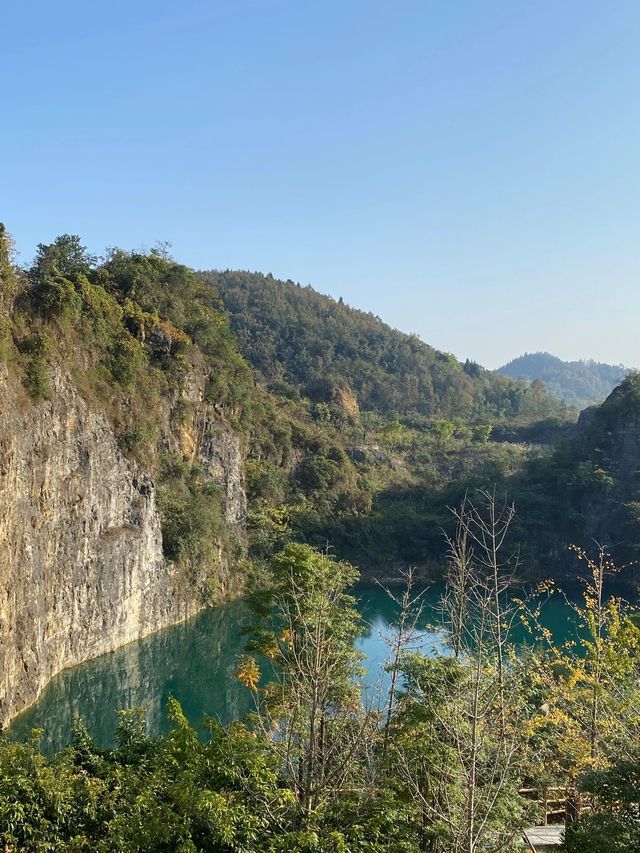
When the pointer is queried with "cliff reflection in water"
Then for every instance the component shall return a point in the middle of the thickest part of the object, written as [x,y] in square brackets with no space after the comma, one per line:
[194,662]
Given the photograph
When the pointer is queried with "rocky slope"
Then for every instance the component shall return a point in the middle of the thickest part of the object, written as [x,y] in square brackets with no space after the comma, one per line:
[587,490]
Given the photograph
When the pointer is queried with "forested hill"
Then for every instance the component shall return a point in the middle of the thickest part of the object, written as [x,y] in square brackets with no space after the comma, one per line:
[298,338]
[578,383]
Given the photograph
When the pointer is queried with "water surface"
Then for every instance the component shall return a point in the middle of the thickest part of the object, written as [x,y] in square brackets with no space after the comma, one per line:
[195,662]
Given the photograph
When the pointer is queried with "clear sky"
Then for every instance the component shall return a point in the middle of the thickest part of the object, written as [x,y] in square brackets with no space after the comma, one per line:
[468,170]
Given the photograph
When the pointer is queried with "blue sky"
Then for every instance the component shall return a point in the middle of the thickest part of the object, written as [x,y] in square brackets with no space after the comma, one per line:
[469,171]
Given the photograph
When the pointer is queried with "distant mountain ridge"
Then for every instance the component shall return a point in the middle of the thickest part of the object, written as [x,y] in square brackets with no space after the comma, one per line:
[579,383]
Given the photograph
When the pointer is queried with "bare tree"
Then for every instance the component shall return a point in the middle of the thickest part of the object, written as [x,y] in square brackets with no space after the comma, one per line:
[481,541]
[460,769]
[458,726]
[403,637]
[460,578]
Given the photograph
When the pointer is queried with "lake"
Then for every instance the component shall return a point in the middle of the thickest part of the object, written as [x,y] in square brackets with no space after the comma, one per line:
[195,662]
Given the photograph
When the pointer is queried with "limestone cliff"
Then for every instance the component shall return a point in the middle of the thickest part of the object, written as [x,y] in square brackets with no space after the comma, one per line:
[608,441]
[587,490]
[81,564]
[200,434]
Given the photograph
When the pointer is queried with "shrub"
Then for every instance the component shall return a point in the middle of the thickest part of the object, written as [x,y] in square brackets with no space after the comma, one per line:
[126,359]
[56,297]
[36,347]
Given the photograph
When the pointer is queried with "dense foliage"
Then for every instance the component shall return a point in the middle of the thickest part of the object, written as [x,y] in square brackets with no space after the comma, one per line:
[578,383]
[614,827]
[585,486]
[398,430]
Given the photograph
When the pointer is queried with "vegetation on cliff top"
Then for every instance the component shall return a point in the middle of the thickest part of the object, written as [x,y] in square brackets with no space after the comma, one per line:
[130,329]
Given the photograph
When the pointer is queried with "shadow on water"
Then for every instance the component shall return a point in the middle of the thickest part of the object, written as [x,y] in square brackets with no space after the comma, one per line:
[195,663]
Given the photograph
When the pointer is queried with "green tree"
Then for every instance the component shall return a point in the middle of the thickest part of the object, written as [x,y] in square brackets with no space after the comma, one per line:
[6,249]
[612,826]
[591,684]
[66,255]
[306,628]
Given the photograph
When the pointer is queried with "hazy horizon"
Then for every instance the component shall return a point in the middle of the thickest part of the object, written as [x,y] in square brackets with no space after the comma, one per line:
[469,173]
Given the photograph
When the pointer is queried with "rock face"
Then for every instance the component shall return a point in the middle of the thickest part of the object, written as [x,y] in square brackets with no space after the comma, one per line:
[202,435]
[598,471]
[220,455]
[81,564]
[612,437]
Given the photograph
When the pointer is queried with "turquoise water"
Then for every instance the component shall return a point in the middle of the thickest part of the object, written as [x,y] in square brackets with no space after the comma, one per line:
[195,663]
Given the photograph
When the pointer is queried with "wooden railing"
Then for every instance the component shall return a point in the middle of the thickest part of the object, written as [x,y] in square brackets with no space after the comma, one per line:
[559,805]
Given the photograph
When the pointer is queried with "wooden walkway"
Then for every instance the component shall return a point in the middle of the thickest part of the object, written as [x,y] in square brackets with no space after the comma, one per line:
[542,838]
[560,807]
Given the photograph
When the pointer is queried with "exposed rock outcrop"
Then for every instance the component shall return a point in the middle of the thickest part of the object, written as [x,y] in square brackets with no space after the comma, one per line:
[590,486]
[201,434]
[220,454]
[609,436]
[81,564]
